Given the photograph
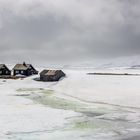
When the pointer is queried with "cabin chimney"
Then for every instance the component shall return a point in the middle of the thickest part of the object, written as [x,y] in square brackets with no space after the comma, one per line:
[24,63]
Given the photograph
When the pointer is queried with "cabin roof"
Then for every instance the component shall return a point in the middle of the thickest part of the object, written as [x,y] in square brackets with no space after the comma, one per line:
[2,66]
[49,72]
[21,67]
[44,72]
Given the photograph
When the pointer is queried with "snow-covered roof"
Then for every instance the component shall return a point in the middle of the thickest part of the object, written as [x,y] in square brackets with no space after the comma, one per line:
[50,72]
[20,67]
[23,66]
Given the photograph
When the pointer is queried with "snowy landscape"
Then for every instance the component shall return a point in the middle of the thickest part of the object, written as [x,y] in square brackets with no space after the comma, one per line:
[69,69]
[78,107]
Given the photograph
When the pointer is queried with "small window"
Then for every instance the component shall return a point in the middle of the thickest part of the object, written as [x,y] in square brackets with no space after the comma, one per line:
[17,72]
[0,72]
[22,72]
[7,72]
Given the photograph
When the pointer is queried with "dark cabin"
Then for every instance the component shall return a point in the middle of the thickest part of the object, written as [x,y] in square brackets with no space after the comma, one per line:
[4,70]
[51,75]
[24,69]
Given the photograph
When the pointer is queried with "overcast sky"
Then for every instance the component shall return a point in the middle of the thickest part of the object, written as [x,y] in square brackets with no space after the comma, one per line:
[68,30]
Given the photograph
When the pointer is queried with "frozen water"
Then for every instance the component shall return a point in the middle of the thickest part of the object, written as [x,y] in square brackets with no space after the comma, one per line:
[78,107]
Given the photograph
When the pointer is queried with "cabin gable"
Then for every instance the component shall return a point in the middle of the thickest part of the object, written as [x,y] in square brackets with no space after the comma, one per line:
[4,70]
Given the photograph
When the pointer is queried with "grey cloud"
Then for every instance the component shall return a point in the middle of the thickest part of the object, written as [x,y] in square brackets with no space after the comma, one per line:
[76,30]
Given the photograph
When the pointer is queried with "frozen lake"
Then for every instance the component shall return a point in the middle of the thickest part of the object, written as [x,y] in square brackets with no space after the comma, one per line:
[79,107]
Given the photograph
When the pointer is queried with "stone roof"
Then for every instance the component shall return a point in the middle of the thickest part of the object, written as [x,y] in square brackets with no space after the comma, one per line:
[23,67]
[44,72]
[20,67]
[50,72]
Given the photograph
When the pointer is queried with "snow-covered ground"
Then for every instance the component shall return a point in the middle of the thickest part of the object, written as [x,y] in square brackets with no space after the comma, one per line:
[79,107]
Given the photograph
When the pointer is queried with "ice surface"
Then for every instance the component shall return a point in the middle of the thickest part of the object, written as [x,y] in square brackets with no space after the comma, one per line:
[78,107]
